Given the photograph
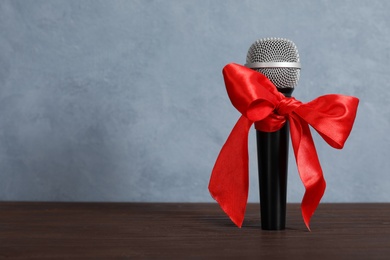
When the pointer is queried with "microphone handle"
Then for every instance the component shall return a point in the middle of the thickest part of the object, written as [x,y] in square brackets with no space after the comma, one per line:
[272,158]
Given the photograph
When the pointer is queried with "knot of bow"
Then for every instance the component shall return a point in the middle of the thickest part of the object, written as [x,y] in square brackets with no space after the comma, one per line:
[259,102]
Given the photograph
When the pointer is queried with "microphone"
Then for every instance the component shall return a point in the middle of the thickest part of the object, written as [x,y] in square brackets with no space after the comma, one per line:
[278,60]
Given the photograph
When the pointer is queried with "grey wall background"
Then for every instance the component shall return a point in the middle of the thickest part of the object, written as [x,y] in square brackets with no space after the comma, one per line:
[125,100]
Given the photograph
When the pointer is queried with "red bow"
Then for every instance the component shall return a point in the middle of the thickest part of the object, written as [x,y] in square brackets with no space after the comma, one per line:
[259,102]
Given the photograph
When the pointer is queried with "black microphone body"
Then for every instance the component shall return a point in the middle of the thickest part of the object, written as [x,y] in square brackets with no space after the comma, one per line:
[272,158]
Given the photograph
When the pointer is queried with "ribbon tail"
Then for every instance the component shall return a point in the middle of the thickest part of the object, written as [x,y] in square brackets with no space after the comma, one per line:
[229,181]
[309,167]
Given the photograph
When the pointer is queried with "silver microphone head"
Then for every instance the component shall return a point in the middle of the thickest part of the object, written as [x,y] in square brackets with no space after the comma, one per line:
[277,59]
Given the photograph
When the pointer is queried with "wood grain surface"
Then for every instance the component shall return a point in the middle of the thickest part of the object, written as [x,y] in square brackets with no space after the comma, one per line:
[44,230]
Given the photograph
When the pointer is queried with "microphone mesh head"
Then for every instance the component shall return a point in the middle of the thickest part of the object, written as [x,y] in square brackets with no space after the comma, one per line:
[276,50]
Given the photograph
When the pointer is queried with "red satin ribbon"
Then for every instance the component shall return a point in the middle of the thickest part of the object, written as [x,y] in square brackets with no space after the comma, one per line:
[259,102]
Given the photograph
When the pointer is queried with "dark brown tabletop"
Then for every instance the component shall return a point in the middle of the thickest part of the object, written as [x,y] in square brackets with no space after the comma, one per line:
[188,230]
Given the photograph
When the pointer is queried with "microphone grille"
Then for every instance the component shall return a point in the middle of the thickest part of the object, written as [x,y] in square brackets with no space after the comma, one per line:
[276,50]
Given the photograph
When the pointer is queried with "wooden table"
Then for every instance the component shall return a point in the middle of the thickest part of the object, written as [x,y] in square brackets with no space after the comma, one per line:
[181,231]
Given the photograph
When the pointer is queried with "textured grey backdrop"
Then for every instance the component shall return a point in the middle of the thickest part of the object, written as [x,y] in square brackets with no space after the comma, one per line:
[125,101]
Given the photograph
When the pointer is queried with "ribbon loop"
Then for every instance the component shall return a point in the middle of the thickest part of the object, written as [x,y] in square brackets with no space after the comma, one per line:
[259,102]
